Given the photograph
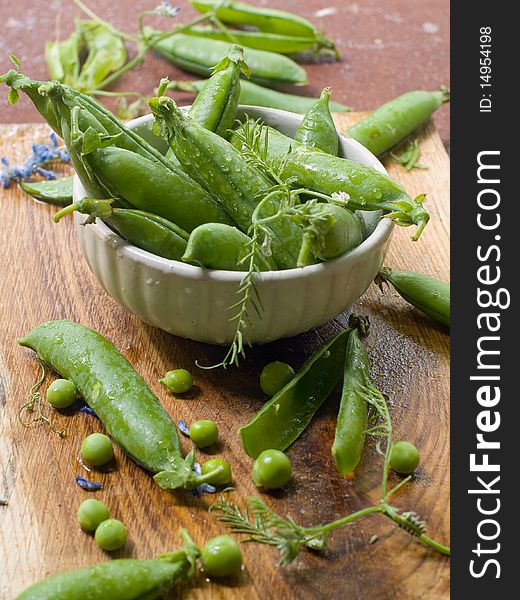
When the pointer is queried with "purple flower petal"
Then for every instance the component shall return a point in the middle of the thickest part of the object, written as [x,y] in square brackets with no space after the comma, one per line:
[183,427]
[89,486]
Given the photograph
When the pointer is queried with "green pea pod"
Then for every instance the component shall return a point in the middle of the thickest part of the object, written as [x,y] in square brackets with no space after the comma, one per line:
[215,107]
[93,137]
[142,229]
[63,58]
[329,231]
[426,293]
[200,55]
[264,19]
[214,163]
[288,413]
[146,185]
[219,246]
[120,579]
[52,191]
[272,42]
[317,130]
[353,412]
[128,409]
[256,95]
[391,123]
[106,54]
[360,187]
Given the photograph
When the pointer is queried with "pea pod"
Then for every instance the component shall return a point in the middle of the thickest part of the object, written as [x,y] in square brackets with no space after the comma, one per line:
[256,95]
[288,413]
[63,58]
[52,191]
[216,105]
[317,130]
[126,406]
[214,163]
[106,54]
[93,123]
[392,122]
[200,55]
[147,186]
[260,40]
[142,229]
[264,19]
[360,187]
[426,293]
[219,246]
[353,412]
[120,579]
[329,231]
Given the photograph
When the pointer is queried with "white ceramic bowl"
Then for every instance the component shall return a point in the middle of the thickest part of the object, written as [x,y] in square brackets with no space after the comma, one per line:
[193,303]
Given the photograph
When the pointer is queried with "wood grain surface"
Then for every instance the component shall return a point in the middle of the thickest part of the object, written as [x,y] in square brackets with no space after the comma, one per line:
[44,277]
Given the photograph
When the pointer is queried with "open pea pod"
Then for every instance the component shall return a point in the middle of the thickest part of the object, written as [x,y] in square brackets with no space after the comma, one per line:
[52,191]
[288,413]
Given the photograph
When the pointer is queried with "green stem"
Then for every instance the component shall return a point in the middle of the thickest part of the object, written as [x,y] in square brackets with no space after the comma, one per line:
[65,211]
[324,529]
[435,545]
[89,12]
[129,65]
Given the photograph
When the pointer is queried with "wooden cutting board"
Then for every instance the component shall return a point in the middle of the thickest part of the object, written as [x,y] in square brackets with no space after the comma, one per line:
[44,277]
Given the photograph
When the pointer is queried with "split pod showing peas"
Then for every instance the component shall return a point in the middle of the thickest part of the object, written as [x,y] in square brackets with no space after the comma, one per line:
[428,294]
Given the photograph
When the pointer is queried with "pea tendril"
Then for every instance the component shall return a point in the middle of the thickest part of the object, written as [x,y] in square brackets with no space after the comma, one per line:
[33,403]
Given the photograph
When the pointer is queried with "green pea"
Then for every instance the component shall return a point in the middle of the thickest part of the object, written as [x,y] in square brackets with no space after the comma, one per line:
[272,469]
[91,513]
[111,535]
[275,376]
[177,381]
[61,393]
[404,458]
[203,433]
[222,471]
[221,556]
[97,449]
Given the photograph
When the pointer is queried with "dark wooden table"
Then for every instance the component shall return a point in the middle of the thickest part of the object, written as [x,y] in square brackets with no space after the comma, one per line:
[388,46]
